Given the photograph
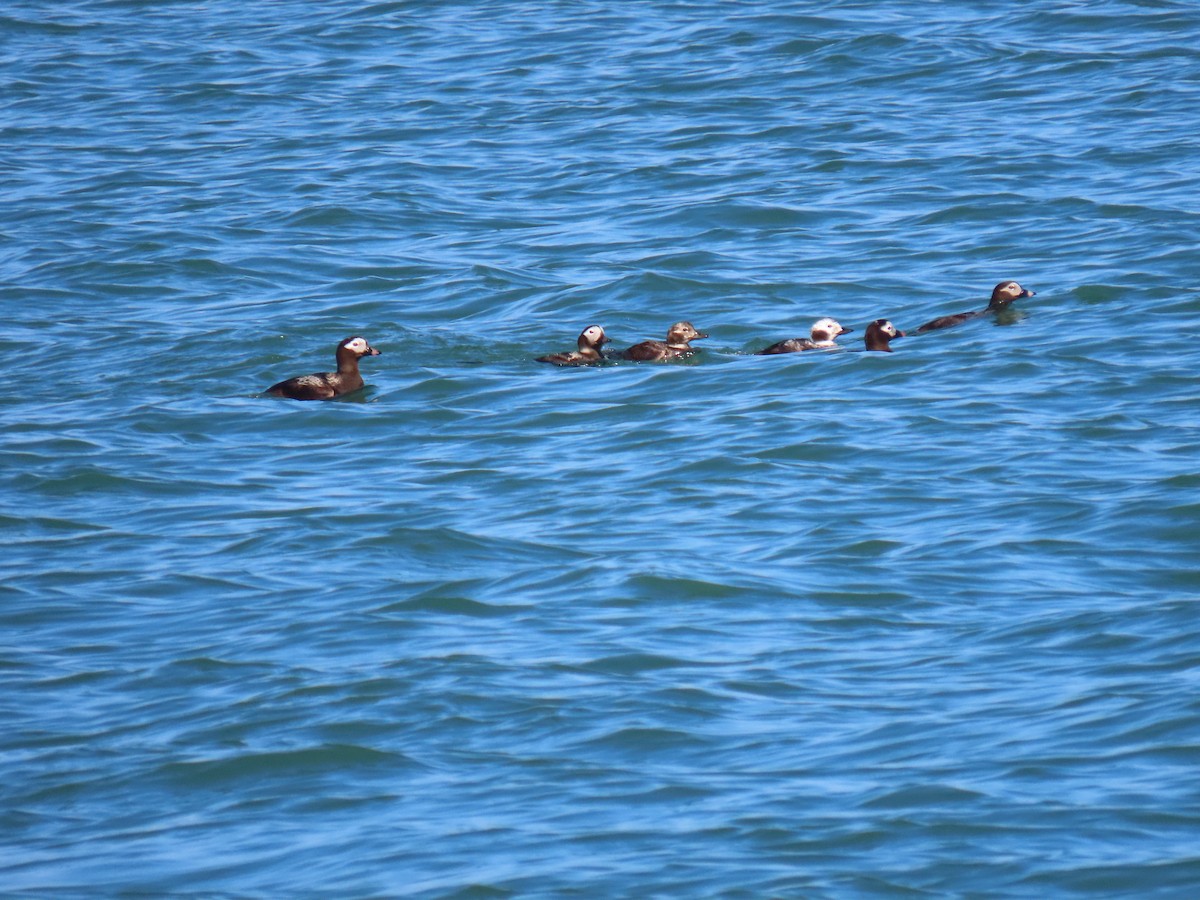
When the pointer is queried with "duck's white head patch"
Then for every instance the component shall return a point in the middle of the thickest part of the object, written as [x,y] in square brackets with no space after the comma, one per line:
[826,329]
[357,344]
[594,335]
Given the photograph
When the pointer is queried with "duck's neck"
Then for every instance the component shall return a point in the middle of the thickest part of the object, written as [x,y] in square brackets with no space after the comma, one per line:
[879,342]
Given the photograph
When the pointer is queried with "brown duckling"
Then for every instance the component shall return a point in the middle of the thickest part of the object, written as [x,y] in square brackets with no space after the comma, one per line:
[676,345]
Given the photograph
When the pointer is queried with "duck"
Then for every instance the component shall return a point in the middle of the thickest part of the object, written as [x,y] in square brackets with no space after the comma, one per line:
[325,385]
[880,334]
[590,341]
[823,337]
[1002,295]
[676,345]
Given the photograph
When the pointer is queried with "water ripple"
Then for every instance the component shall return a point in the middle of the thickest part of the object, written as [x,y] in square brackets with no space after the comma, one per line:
[812,625]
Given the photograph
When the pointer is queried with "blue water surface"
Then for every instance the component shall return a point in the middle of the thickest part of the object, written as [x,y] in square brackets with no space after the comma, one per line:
[823,624]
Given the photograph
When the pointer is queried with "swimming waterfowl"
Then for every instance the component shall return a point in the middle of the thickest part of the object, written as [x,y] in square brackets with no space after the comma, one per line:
[676,345]
[823,337]
[589,342]
[1002,295]
[880,334]
[324,385]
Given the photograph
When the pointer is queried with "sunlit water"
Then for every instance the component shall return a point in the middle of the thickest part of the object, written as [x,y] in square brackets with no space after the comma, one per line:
[823,624]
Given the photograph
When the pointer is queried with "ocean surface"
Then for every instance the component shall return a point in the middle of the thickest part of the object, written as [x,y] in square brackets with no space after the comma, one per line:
[828,624]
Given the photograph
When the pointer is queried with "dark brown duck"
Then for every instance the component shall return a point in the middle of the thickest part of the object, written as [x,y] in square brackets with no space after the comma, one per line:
[324,385]
[880,334]
[1002,295]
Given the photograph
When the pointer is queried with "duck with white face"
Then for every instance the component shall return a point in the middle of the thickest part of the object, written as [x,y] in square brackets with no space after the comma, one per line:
[822,336]
[676,346]
[326,385]
[880,334]
[589,343]
[1002,295]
